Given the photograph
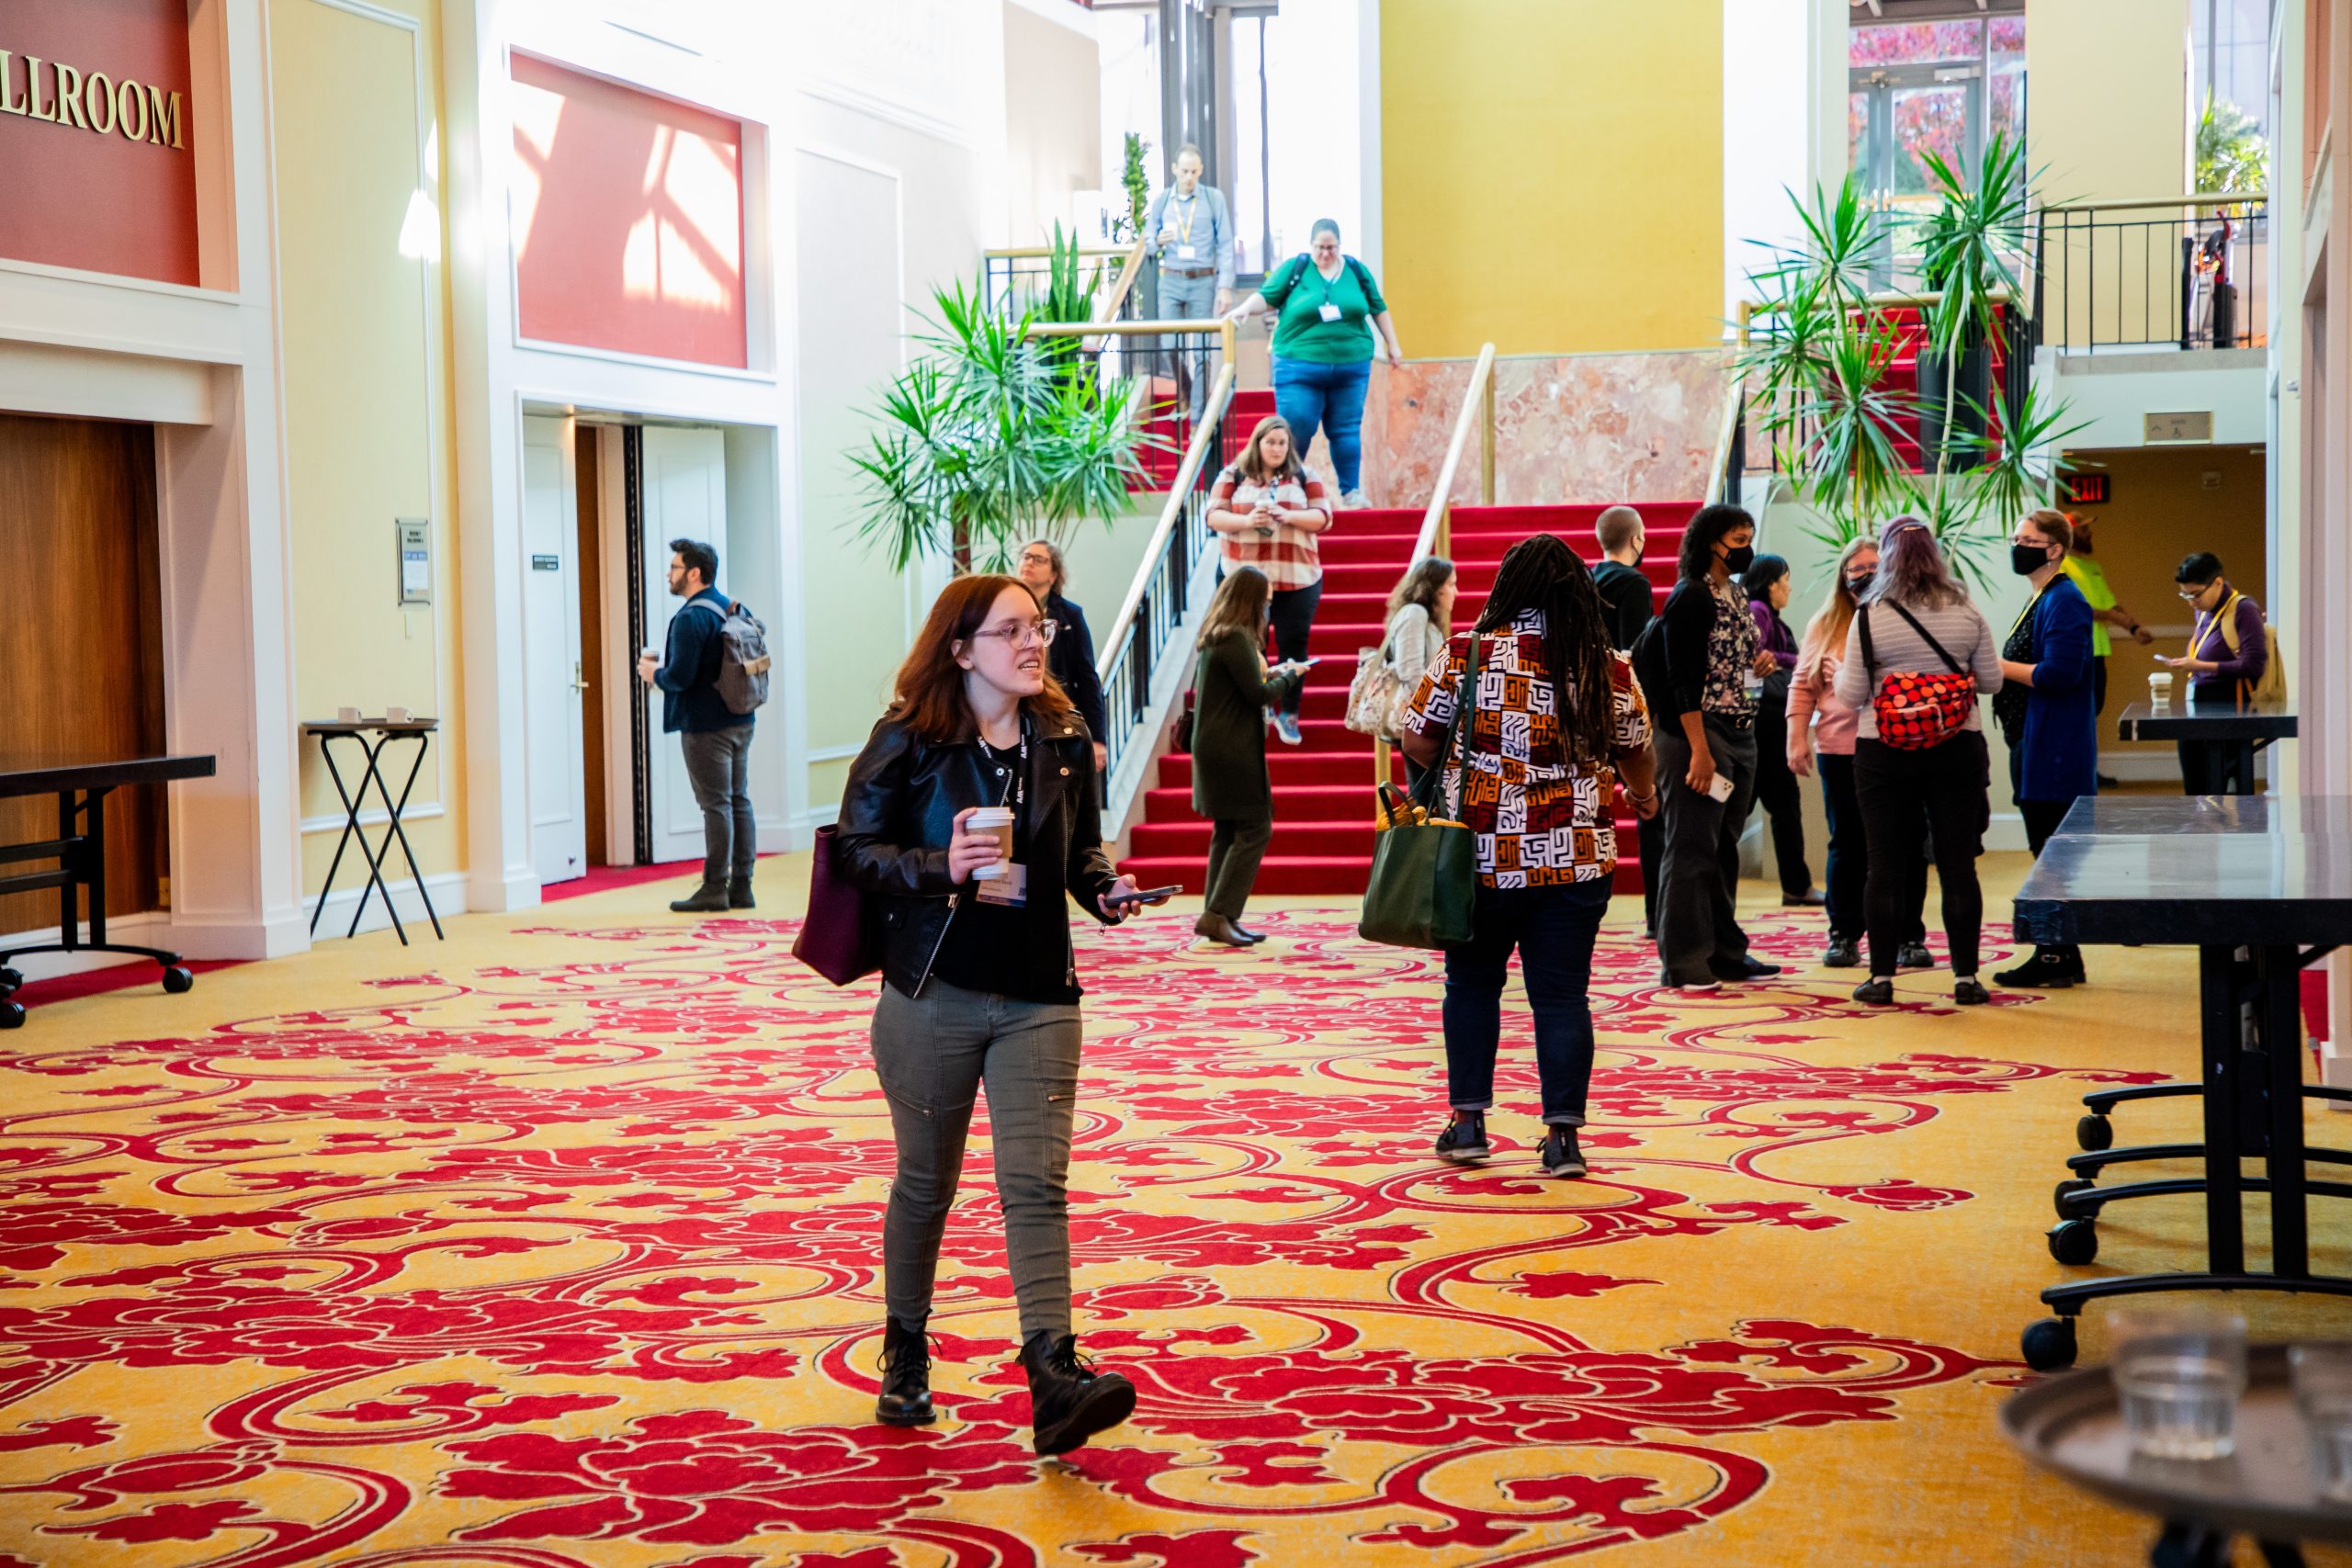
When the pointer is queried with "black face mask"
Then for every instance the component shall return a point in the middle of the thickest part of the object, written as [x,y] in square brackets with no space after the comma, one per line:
[1740,560]
[1858,586]
[2027,560]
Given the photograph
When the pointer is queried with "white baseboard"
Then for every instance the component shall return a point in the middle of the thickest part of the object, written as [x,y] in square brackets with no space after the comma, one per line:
[450,891]
[489,891]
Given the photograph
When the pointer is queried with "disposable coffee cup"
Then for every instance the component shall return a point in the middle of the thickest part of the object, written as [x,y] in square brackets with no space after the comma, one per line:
[346,716]
[997,820]
[2160,688]
[397,715]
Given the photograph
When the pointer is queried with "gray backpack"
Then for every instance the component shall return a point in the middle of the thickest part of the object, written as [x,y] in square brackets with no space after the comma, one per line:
[742,657]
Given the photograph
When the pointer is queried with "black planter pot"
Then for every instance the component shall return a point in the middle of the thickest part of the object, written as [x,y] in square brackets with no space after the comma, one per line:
[1973,386]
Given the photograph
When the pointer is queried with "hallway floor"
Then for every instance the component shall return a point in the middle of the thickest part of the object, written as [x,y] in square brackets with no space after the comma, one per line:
[558,1244]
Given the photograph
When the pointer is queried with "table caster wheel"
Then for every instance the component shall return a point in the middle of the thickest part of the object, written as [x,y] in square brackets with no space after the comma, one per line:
[12,1015]
[2074,1242]
[2059,1194]
[2095,1132]
[2049,1344]
[176,978]
[11,979]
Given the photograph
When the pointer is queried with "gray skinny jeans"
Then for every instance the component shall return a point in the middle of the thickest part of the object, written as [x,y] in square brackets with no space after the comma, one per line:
[932,1055]
[718,766]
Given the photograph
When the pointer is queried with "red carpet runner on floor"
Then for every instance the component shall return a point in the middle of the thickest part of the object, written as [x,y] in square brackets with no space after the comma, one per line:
[1323,800]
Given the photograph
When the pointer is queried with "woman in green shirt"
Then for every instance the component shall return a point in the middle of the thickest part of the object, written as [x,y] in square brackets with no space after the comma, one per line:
[1327,307]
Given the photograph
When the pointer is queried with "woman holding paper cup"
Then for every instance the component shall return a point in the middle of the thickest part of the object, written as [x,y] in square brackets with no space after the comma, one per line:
[967,820]
[1233,688]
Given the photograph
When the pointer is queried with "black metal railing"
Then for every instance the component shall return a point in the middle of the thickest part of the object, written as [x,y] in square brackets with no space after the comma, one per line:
[2187,275]
[1023,279]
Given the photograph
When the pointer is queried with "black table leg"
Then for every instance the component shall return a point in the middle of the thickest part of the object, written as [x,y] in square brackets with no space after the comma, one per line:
[2280,1038]
[398,807]
[375,860]
[2242,760]
[2187,1544]
[2217,1005]
[93,861]
[69,917]
[350,825]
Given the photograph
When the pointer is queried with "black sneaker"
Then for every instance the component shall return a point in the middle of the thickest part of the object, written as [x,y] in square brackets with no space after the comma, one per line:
[2047,970]
[1915,955]
[1878,991]
[1741,968]
[1561,1155]
[1969,991]
[1841,954]
[1465,1138]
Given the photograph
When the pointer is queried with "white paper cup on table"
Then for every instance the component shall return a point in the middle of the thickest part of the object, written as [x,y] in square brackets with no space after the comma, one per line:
[996,820]
[2179,1375]
[2324,1395]
[2160,688]
[346,716]
[397,715]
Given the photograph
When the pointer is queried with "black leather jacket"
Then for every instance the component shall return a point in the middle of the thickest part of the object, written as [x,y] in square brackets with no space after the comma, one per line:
[899,812]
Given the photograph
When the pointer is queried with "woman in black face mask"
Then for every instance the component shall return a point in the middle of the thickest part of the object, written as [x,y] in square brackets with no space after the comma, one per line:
[1707,670]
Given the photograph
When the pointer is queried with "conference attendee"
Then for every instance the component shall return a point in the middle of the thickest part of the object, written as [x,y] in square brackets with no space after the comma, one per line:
[1232,688]
[1767,586]
[1711,666]
[1918,620]
[1072,652]
[715,738]
[2108,617]
[1556,719]
[1192,243]
[1269,509]
[1420,619]
[1626,607]
[1327,309]
[979,983]
[2047,714]
[2229,648]
[1815,706]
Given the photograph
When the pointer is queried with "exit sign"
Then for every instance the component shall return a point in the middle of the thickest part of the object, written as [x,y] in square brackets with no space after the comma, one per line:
[2084,490]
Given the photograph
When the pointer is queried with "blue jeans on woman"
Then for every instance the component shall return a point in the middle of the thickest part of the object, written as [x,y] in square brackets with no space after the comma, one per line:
[1553,929]
[1311,395]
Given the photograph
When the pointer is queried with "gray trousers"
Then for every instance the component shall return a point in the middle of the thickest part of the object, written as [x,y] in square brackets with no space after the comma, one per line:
[1698,923]
[1235,850]
[1191,299]
[932,1055]
[718,766]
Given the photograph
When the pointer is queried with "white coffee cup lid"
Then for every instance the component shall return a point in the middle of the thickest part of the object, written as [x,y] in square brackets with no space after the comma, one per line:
[992,816]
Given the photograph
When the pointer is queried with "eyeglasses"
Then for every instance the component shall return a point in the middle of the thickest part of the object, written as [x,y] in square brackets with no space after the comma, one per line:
[2194,594]
[1017,633]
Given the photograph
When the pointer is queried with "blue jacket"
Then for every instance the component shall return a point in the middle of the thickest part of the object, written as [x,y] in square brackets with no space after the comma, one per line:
[2059,754]
[688,675]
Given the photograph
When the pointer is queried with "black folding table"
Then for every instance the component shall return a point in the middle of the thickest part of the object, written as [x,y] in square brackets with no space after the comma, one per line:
[374,737]
[79,850]
[2227,734]
[2262,886]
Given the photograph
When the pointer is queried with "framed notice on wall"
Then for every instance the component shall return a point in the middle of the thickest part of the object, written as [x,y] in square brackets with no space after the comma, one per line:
[97,167]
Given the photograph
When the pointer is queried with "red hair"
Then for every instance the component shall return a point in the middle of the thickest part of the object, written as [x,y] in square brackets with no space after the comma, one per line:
[928,693]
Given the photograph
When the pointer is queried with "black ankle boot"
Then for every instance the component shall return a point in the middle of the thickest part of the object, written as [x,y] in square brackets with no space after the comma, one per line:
[739,892]
[710,899]
[906,1377]
[1070,1401]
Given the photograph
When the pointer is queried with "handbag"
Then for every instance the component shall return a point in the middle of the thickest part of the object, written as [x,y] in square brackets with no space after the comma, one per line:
[1424,885]
[836,938]
[1915,711]
[1180,732]
[1371,695]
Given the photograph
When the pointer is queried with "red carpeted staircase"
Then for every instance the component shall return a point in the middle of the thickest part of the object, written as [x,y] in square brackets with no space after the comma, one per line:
[1323,798]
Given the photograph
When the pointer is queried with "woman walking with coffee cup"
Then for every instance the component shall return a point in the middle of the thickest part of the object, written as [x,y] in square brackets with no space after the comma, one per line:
[968,821]
[1232,690]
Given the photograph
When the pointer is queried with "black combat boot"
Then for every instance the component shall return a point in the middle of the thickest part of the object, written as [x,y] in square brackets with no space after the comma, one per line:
[1070,1401]
[906,1377]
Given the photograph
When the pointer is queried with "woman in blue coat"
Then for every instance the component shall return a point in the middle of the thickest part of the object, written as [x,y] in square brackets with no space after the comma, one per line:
[2048,710]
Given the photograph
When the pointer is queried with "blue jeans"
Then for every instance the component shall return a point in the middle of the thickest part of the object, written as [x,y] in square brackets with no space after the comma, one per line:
[1552,927]
[1310,395]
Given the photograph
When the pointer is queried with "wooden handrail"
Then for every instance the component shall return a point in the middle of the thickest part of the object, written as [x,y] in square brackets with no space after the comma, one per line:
[2203,198]
[1476,396]
[1734,400]
[1112,302]
[1195,454]
[1029,252]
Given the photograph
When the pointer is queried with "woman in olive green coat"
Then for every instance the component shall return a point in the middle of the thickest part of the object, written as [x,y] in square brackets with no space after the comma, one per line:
[1233,688]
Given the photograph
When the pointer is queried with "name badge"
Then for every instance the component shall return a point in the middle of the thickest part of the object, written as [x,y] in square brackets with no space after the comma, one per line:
[1011,889]
[1188,252]
[1330,312]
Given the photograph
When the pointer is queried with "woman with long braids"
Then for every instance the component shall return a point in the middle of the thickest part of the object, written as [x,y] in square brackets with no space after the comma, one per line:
[1557,720]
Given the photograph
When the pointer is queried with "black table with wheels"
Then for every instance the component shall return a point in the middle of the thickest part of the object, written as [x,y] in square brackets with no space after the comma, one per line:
[79,850]
[374,737]
[2262,886]
[2227,733]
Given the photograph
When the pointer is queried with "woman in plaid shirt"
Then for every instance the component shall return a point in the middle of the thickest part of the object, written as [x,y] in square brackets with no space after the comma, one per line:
[1267,509]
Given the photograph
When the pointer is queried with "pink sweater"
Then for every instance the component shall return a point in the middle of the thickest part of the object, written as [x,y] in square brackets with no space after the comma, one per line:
[1816,702]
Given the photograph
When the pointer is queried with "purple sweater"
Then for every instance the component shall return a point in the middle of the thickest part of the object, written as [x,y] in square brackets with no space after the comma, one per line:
[1772,633]
[2253,656]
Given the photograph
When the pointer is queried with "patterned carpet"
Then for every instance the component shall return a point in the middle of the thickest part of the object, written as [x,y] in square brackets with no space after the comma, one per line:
[557,1245]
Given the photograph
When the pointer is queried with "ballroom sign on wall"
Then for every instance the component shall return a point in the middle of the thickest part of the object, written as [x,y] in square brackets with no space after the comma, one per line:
[71,97]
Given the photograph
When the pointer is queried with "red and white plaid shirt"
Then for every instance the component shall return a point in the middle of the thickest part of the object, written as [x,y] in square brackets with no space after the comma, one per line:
[1288,556]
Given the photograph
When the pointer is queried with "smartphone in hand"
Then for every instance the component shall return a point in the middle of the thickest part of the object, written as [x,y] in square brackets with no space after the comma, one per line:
[1142,896]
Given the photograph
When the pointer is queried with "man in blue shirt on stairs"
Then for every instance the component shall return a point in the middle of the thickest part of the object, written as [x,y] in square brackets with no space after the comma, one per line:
[716,739]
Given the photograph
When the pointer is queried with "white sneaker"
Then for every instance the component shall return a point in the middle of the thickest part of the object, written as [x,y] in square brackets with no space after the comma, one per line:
[1353,500]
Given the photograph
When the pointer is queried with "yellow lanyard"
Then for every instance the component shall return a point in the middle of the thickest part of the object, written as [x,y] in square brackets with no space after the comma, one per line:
[1192,205]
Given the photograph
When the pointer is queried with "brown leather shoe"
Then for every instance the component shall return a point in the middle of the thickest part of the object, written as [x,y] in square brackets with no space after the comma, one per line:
[1219,929]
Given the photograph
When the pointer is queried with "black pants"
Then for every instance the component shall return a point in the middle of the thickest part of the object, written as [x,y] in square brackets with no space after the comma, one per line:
[1698,918]
[1776,792]
[1954,780]
[2211,767]
[2098,685]
[1292,614]
[1649,833]
[1849,858]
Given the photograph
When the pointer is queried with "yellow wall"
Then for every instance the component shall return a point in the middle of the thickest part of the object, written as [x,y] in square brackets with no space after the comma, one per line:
[365,399]
[1552,174]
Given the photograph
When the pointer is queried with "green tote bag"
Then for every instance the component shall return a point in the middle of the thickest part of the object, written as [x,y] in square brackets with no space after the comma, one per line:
[1425,875]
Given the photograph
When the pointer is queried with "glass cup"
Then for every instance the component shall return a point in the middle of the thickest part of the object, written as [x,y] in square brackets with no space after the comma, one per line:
[2178,1373]
[2324,1394]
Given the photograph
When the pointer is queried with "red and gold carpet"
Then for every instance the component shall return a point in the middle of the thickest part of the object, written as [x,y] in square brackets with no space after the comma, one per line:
[557,1245]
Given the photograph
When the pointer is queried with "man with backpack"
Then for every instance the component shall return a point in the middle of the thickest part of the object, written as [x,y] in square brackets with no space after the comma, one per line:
[713,676]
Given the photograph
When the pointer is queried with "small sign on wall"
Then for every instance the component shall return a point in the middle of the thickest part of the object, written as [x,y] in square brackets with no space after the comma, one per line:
[2086,489]
[415,537]
[2177,429]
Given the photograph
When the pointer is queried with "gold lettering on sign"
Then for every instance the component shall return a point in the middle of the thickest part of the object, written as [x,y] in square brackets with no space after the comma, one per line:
[98,98]
[32,89]
[130,98]
[164,113]
[8,103]
[69,96]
